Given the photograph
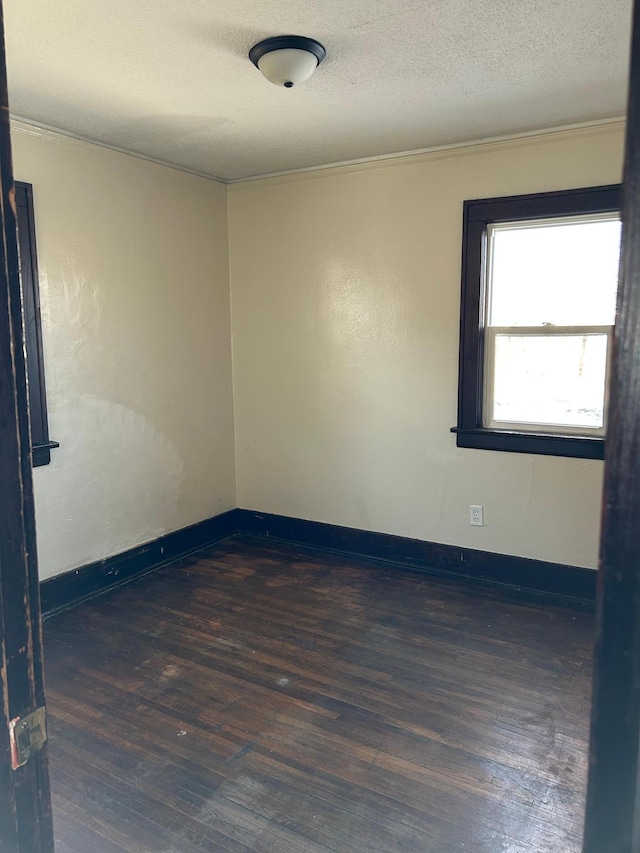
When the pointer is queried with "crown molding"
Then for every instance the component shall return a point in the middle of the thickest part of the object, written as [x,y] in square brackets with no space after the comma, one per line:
[401,158]
[59,136]
[461,149]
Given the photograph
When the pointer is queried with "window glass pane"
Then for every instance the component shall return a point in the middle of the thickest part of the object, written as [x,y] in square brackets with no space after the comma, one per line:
[548,379]
[558,272]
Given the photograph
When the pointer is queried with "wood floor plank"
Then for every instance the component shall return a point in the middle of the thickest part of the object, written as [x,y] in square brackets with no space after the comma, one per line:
[264,697]
[73,836]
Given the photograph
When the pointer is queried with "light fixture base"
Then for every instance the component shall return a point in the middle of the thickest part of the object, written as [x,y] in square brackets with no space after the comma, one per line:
[287,43]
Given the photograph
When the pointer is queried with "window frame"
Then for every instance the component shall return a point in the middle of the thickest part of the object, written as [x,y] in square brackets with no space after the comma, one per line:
[41,445]
[478,215]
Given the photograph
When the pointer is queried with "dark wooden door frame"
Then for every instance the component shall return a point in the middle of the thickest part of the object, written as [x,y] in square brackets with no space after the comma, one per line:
[25,802]
[612,821]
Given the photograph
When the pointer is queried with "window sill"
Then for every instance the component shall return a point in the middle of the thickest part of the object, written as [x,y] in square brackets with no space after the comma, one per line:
[41,453]
[579,447]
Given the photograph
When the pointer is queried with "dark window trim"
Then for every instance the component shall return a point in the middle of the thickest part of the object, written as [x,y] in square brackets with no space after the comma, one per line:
[40,442]
[478,215]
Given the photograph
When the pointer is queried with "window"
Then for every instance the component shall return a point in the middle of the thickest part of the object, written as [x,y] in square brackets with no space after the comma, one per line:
[539,284]
[40,444]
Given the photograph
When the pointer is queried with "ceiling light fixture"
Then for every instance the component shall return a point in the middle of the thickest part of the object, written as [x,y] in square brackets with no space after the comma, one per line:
[287,60]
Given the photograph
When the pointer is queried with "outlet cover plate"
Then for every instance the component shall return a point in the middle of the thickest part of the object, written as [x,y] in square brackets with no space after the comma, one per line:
[476,516]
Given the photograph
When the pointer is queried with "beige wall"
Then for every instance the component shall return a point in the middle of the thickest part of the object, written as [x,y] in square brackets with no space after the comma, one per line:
[135,308]
[345,304]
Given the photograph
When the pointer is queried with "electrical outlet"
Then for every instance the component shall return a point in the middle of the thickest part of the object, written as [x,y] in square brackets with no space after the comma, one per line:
[476,516]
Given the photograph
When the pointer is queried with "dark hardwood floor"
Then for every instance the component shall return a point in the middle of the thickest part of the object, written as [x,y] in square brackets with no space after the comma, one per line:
[263,697]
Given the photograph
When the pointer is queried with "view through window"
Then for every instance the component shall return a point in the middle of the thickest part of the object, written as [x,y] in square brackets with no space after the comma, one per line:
[550,308]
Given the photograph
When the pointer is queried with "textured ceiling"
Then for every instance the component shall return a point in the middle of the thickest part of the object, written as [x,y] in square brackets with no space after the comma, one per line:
[171,79]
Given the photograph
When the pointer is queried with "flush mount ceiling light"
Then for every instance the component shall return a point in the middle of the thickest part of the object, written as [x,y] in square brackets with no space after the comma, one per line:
[287,60]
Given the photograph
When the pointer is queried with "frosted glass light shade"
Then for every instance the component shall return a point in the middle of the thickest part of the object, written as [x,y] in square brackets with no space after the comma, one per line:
[288,67]
[287,60]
